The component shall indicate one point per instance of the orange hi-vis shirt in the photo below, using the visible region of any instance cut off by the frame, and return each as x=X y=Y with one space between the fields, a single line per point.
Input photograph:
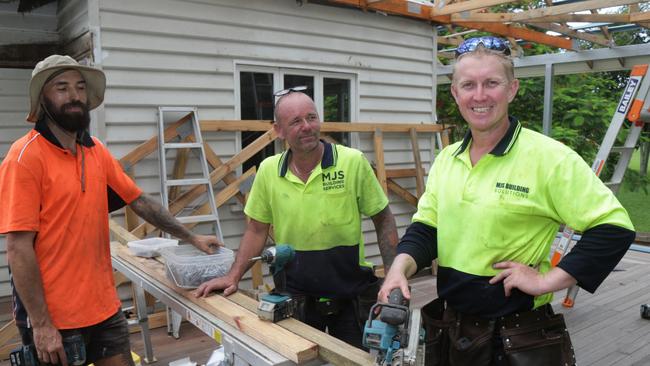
x=65 y=199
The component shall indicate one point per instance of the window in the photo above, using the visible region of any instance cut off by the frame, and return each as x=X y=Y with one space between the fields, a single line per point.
x=332 y=92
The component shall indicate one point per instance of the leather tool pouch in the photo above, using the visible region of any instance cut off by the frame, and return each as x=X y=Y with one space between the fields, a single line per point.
x=470 y=340
x=436 y=339
x=541 y=343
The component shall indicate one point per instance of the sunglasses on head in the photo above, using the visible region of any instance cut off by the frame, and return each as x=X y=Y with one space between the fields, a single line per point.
x=280 y=93
x=489 y=42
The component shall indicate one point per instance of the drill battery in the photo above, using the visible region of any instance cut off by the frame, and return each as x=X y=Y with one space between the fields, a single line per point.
x=73 y=345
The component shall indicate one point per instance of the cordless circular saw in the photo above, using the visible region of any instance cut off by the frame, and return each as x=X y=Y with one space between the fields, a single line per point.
x=395 y=337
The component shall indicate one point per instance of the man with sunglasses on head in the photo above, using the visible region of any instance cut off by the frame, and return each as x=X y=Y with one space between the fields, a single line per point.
x=492 y=207
x=57 y=186
x=313 y=195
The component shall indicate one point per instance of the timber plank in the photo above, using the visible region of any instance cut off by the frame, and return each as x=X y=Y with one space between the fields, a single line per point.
x=331 y=349
x=8 y=332
x=262 y=125
x=286 y=343
x=149 y=146
x=419 y=177
x=379 y=159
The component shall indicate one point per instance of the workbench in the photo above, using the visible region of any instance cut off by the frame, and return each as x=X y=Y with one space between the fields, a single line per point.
x=288 y=342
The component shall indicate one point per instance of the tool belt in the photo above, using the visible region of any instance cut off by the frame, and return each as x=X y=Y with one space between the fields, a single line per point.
x=532 y=338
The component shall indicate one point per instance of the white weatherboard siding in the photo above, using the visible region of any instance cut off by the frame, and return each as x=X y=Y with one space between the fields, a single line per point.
x=14 y=106
x=165 y=52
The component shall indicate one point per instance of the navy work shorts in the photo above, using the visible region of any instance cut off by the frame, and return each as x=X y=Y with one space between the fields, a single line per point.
x=102 y=340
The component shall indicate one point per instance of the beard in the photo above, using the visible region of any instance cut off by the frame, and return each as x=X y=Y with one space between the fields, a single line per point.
x=76 y=121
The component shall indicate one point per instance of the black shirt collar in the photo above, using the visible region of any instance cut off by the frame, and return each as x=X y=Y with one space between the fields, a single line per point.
x=504 y=145
x=328 y=160
x=44 y=130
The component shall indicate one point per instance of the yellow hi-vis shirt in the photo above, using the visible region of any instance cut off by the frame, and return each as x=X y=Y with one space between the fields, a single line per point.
x=321 y=219
x=509 y=206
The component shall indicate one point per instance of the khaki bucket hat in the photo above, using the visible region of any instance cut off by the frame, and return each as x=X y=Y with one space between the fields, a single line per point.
x=95 y=82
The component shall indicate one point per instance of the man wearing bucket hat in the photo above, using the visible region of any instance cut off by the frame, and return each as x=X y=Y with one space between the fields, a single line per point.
x=57 y=186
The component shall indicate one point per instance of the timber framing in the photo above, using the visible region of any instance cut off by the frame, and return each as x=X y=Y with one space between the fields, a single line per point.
x=457 y=18
x=234 y=186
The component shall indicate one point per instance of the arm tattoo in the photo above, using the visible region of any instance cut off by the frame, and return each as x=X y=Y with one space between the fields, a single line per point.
x=384 y=222
x=154 y=213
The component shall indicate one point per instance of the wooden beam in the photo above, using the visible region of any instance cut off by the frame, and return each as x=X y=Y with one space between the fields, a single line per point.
x=6 y=349
x=519 y=32
x=131 y=219
x=149 y=146
x=401 y=192
x=559 y=18
x=262 y=126
x=379 y=159
x=8 y=332
x=120 y=234
x=575 y=34
x=400 y=7
x=402 y=173
x=464 y=6
x=282 y=341
x=640 y=17
x=419 y=177
x=331 y=349
x=215 y=162
x=568 y=8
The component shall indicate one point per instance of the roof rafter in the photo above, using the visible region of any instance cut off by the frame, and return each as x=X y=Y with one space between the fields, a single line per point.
x=510 y=17
x=568 y=8
x=507 y=30
x=465 y=6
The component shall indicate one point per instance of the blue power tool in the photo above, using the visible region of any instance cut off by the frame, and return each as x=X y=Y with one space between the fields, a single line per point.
x=387 y=335
x=276 y=305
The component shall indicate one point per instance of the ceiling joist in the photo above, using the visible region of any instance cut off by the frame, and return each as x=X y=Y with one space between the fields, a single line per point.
x=533 y=25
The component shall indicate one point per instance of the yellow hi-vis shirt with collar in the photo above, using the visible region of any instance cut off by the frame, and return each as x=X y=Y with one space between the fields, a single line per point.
x=321 y=218
x=509 y=206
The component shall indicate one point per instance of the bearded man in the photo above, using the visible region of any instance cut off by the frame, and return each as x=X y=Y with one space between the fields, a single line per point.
x=57 y=186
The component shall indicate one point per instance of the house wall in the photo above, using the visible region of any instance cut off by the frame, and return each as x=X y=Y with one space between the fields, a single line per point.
x=37 y=27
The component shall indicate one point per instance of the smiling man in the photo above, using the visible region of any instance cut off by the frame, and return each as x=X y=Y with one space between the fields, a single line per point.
x=314 y=195
x=57 y=186
x=492 y=207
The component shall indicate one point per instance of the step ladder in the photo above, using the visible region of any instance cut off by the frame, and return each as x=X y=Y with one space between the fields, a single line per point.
x=191 y=130
x=635 y=106
x=189 y=138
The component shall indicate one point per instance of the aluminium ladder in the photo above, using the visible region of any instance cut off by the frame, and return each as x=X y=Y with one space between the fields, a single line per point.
x=188 y=131
x=634 y=105
x=190 y=138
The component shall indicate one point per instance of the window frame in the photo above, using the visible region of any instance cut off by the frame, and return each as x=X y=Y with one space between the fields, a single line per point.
x=278 y=71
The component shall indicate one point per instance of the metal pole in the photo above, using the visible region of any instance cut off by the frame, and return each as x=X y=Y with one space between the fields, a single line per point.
x=548 y=99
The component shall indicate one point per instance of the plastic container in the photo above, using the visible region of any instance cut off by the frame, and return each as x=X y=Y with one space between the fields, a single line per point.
x=189 y=267
x=150 y=247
